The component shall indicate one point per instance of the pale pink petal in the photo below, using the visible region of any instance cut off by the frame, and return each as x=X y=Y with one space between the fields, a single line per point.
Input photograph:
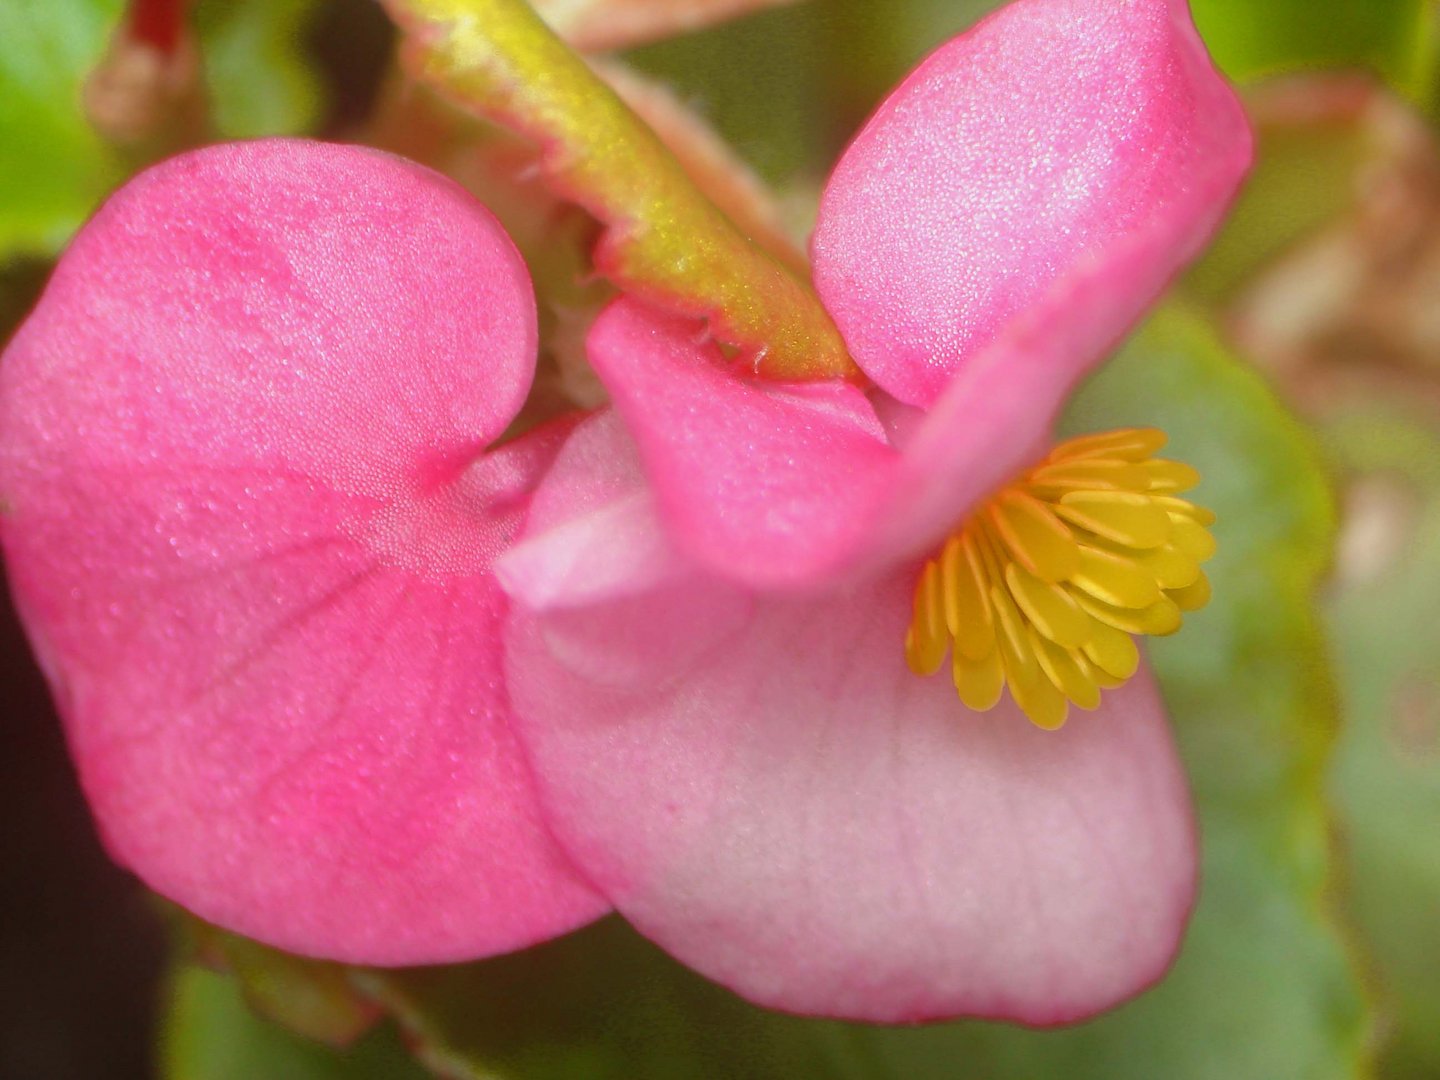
x=249 y=522
x=597 y=538
x=784 y=807
x=594 y=538
x=1034 y=147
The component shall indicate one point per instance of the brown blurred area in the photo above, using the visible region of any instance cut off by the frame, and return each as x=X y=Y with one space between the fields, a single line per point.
x=82 y=945
x=1349 y=309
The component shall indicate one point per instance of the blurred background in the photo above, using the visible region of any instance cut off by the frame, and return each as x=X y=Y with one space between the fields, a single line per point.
x=1297 y=364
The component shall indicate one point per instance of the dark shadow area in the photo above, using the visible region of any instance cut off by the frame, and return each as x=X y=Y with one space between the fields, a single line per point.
x=349 y=42
x=82 y=945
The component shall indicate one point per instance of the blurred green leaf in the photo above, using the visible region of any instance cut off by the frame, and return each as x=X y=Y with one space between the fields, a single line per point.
x=53 y=167
x=1251 y=38
x=259 y=79
x=811 y=73
x=604 y=1004
x=1386 y=776
x=765 y=107
x=1304 y=178
x=312 y=998
x=211 y=1034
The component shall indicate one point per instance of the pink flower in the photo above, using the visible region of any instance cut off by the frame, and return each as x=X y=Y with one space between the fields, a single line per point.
x=256 y=529
x=707 y=656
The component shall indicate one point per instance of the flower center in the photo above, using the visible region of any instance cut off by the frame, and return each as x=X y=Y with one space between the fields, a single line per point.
x=1043 y=586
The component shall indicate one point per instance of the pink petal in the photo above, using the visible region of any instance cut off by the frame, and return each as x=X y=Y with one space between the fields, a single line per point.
x=786 y=808
x=769 y=483
x=1049 y=141
x=250 y=524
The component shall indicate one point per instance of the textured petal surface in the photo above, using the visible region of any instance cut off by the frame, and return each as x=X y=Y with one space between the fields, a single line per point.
x=250 y=523
x=1039 y=145
x=783 y=806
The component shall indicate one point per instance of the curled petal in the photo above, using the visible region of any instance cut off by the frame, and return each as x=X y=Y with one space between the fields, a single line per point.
x=801 y=486
x=782 y=805
x=768 y=483
x=1052 y=140
x=250 y=526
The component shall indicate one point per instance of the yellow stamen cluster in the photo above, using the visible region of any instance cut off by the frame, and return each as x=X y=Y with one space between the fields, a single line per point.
x=1042 y=588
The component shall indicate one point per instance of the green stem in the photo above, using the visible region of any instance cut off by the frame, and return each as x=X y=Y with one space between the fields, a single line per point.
x=663 y=240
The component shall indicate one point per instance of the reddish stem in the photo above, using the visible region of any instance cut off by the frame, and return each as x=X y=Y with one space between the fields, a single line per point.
x=158 y=23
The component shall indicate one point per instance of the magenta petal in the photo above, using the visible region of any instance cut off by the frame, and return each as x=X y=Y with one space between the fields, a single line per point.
x=250 y=522
x=767 y=483
x=783 y=806
x=1053 y=139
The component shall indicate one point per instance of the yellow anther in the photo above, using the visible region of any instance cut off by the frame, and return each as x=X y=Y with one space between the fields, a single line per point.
x=1048 y=607
x=1197 y=514
x=1064 y=670
x=1098 y=675
x=1042 y=588
x=967 y=609
x=1169 y=476
x=1193 y=596
x=928 y=639
x=1114 y=652
x=1115 y=579
x=1095 y=474
x=1173 y=569
x=1034 y=535
x=1191 y=537
x=978 y=682
x=1126 y=517
x=1124 y=444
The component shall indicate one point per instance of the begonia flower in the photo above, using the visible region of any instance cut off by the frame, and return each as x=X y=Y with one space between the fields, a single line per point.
x=727 y=586
x=256 y=528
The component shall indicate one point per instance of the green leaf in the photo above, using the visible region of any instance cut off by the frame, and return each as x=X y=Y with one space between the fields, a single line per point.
x=869 y=47
x=602 y=1003
x=1387 y=770
x=1304 y=178
x=259 y=80
x=1250 y=38
x=53 y=167
x=313 y=998
x=765 y=107
x=211 y=1034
